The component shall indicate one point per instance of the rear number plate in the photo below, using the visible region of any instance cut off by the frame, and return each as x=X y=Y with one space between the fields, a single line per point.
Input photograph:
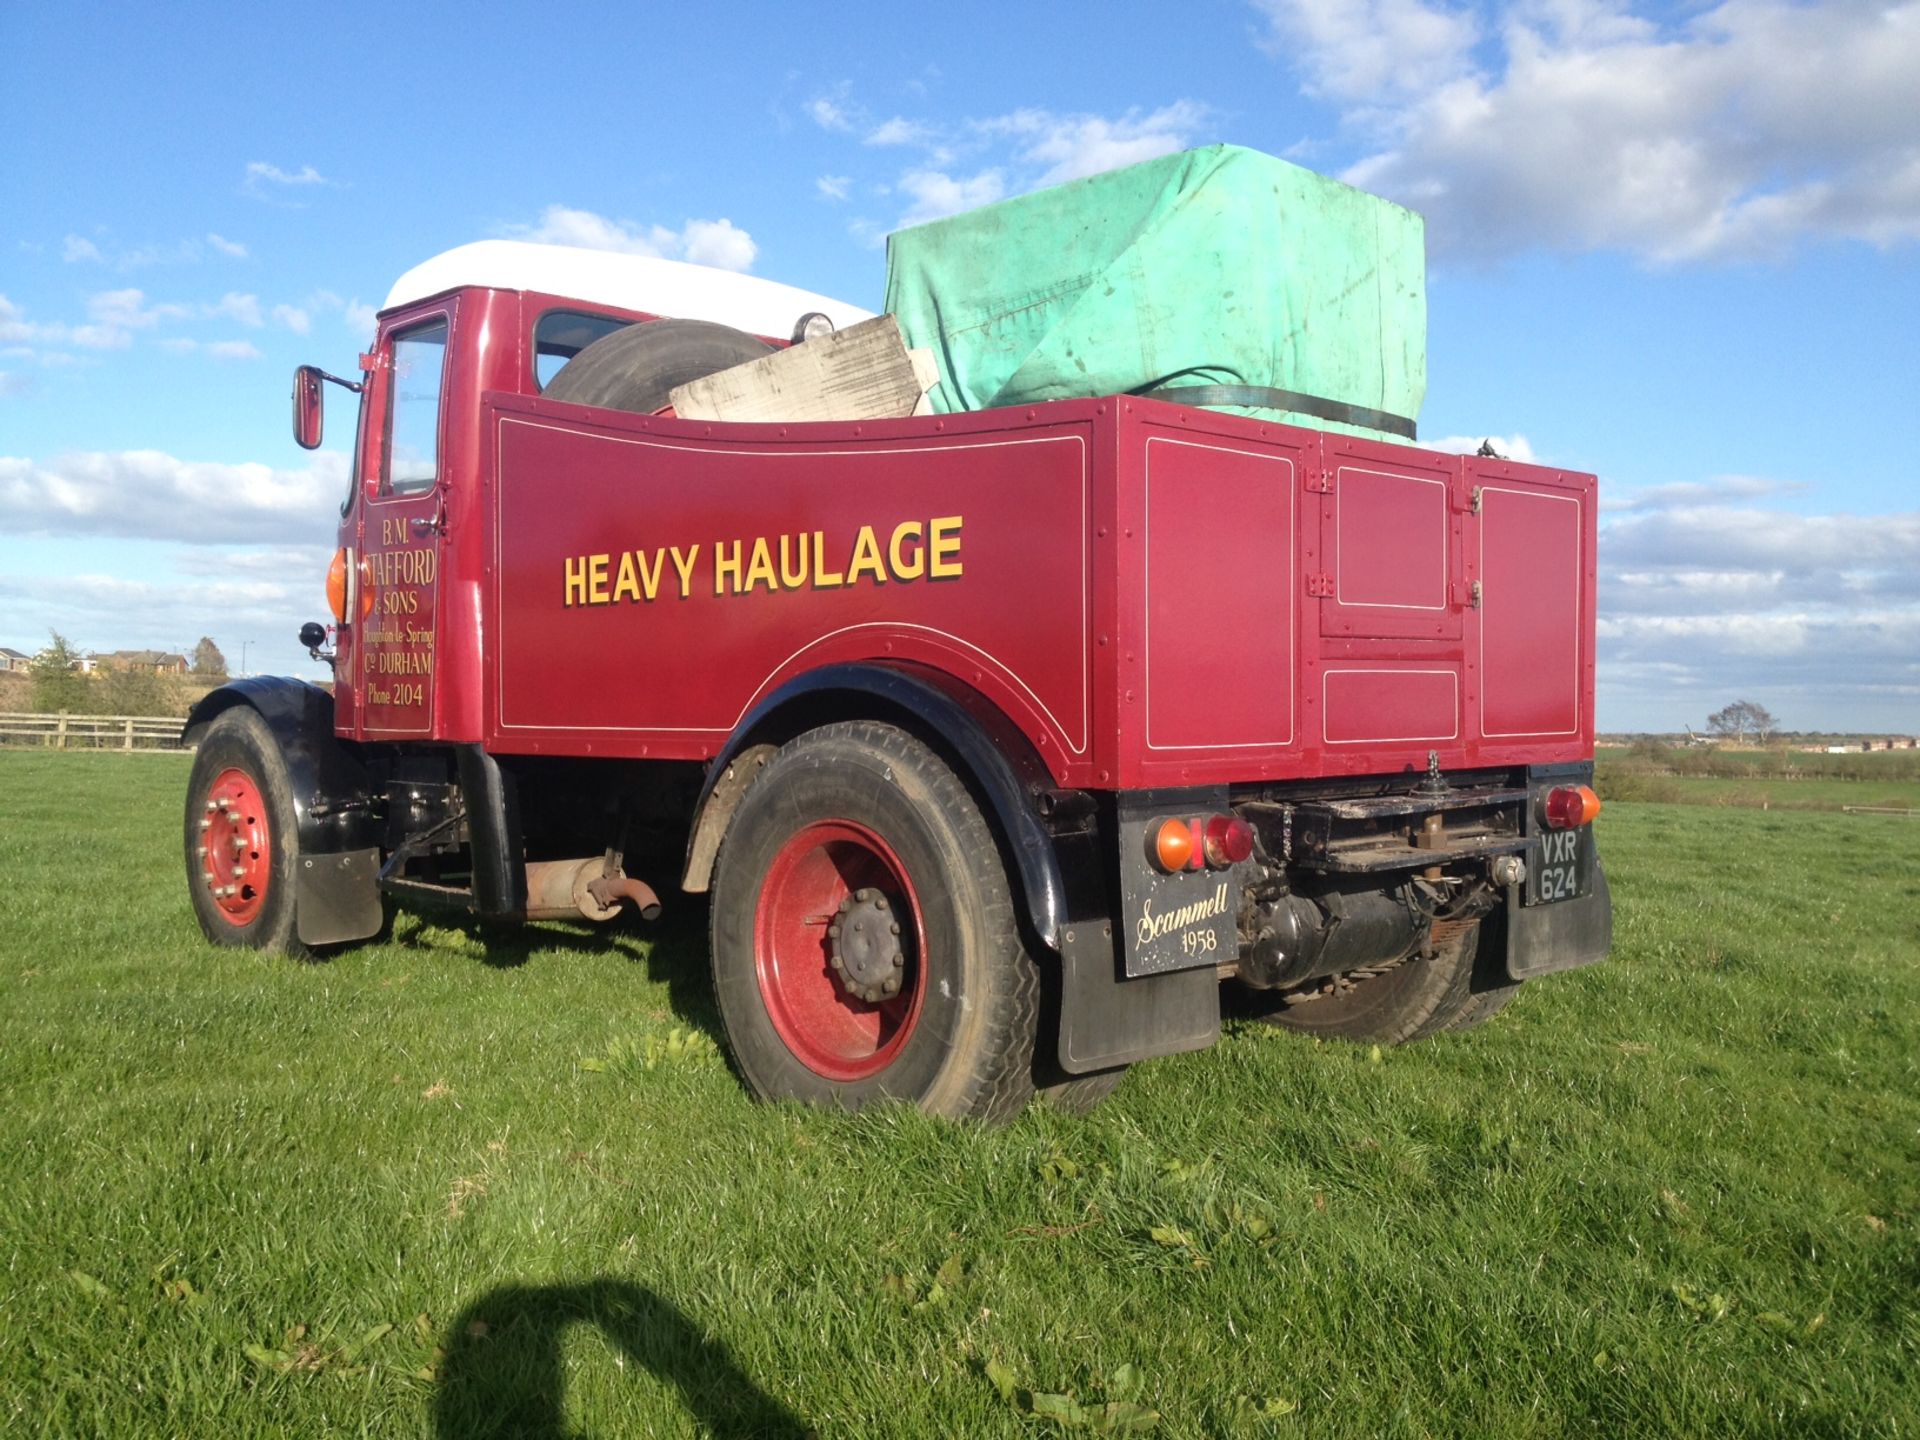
x=1560 y=865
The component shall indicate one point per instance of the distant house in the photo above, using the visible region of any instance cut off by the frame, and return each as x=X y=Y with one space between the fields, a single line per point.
x=156 y=662
x=14 y=660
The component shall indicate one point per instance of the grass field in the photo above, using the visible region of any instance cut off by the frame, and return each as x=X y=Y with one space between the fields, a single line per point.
x=458 y=1184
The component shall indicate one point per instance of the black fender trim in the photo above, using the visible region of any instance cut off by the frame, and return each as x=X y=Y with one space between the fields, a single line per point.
x=332 y=793
x=991 y=752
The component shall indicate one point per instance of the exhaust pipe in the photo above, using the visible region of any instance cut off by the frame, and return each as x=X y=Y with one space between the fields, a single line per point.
x=575 y=889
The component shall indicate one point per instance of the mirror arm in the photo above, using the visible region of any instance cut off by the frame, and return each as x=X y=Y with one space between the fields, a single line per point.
x=355 y=386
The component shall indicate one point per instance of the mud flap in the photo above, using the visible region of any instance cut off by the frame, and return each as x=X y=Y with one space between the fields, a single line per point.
x=1543 y=939
x=1108 y=1020
x=337 y=897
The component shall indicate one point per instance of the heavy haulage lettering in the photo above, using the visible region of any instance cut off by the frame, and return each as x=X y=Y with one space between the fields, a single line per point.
x=808 y=559
x=1152 y=926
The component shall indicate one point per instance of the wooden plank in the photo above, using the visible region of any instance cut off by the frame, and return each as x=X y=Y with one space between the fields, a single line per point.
x=864 y=372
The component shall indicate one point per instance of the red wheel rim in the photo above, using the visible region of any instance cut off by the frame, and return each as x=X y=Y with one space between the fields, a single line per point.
x=236 y=847
x=832 y=1031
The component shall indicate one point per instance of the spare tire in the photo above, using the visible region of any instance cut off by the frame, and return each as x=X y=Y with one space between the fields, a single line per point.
x=637 y=368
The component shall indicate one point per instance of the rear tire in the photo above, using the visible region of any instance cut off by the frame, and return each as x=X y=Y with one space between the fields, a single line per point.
x=241 y=836
x=636 y=369
x=852 y=828
x=1416 y=998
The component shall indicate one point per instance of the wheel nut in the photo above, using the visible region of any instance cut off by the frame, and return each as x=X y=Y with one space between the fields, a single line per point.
x=891 y=985
x=238 y=871
x=895 y=927
x=203 y=852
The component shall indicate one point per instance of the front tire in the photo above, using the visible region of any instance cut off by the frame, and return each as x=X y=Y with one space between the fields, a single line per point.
x=242 y=837
x=864 y=938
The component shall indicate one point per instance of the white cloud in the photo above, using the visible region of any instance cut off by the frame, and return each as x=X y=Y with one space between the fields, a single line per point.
x=1734 y=131
x=361 y=319
x=269 y=183
x=15 y=328
x=1075 y=146
x=1815 y=616
x=979 y=161
x=146 y=494
x=718 y=243
x=252 y=602
x=1686 y=494
x=705 y=242
x=14 y=384
x=259 y=172
x=937 y=195
x=113 y=316
x=900 y=131
x=77 y=249
x=1369 y=50
x=293 y=317
x=235 y=306
x=828 y=114
x=218 y=349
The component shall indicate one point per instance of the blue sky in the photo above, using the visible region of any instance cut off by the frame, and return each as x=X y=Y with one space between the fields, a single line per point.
x=1678 y=246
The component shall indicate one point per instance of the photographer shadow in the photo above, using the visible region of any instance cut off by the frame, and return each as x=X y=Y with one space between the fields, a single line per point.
x=502 y=1374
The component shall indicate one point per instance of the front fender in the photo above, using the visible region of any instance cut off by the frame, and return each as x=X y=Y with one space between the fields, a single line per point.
x=332 y=792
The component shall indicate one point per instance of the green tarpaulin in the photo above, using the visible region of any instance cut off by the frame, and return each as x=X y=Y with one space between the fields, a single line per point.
x=1215 y=266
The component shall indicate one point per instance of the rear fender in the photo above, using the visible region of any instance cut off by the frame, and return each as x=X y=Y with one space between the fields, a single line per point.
x=985 y=747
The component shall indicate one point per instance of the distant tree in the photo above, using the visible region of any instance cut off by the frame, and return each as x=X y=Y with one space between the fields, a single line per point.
x=1743 y=720
x=208 y=661
x=57 y=681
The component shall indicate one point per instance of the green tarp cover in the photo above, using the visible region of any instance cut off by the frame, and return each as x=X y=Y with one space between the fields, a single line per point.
x=1216 y=266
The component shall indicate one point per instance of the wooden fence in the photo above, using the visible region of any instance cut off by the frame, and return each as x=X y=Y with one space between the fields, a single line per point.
x=143 y=733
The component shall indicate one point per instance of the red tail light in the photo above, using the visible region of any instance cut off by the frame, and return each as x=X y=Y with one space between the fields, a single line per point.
x=1229 y=841
x=1571 y=806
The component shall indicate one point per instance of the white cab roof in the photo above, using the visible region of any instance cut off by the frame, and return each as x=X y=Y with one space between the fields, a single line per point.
x=629 y=282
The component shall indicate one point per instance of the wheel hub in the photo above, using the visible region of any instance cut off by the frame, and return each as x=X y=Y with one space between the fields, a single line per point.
x=865 y=946
x=236 y=856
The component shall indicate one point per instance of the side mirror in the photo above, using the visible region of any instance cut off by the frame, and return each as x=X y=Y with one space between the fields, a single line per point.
x=309 y=417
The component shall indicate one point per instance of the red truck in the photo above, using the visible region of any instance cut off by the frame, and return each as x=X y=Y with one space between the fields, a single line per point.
x=1006 y=744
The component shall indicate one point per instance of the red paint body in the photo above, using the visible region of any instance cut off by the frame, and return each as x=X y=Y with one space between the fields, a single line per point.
x=1156 y=596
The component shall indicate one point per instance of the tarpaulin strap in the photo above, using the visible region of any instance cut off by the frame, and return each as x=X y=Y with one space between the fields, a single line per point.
x=1266 y=397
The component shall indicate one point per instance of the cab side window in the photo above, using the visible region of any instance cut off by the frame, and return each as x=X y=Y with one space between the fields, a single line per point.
x=559 y=335
x=413 y=412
